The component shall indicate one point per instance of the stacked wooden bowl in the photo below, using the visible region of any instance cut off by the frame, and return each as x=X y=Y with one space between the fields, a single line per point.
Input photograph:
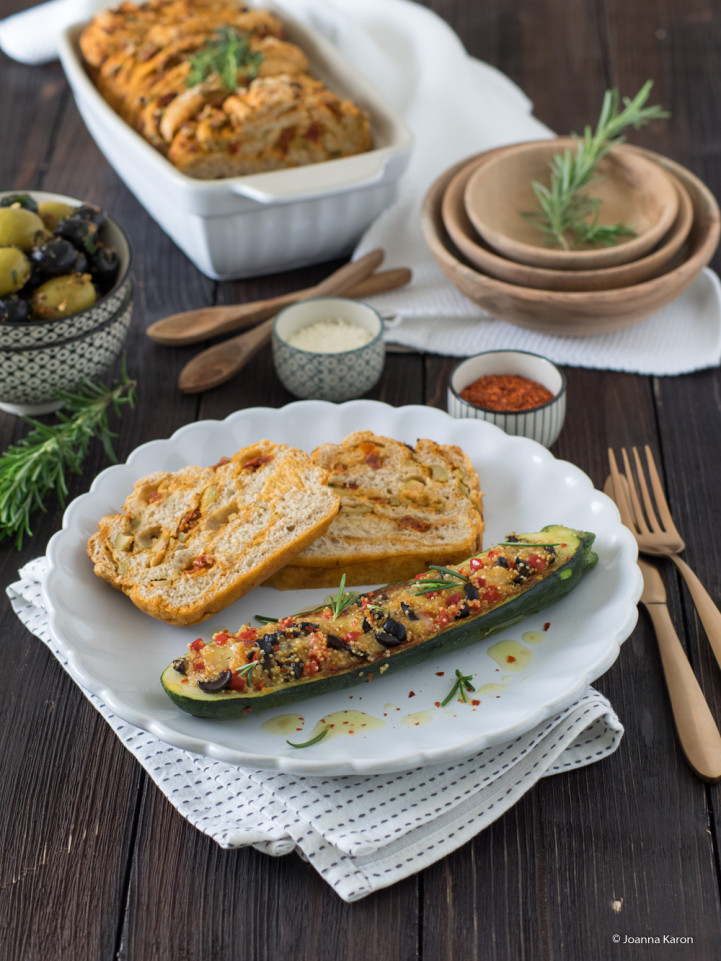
x=472 y=221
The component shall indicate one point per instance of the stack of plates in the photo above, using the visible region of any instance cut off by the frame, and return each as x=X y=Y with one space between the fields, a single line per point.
x=499 y=259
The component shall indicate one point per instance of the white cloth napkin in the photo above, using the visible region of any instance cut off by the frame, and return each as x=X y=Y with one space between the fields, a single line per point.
x=456 y=106
x=360 y=833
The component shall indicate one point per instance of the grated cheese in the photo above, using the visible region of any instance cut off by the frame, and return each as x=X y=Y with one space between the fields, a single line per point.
x=332 y=335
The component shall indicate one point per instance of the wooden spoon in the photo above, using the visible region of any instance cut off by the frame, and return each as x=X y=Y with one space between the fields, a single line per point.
x=192 y=326
x=219 y=363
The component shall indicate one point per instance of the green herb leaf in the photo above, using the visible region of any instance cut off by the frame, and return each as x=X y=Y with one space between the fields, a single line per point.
x=446 y=579
x=246 y=671
x=37 y=465
x=312 y=741
x=265 y=619
x=463 y=684
x=565 y=216
x=225 y=57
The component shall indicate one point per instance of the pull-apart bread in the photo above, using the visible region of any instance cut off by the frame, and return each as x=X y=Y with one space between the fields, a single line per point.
x=189 y=543
x=217 y=89
x=402 y=508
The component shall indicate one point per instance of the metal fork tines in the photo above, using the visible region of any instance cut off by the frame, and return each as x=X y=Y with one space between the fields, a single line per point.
x=648 y=516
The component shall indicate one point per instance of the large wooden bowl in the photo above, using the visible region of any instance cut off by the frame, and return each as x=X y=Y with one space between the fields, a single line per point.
x=464 y=236
x=633 y=190
x=575 y=314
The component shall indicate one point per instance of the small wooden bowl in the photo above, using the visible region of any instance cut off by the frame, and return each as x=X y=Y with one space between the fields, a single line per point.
x=576 y=314
x=633 y=190
x=464 y=236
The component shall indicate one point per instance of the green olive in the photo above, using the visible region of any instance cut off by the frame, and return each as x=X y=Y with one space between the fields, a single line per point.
x=20 y=228
x=14 y=270
x=52 y=212
x=63 y=296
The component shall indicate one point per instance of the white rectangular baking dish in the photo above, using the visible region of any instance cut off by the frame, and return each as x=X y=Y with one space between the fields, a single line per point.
x=264 y=223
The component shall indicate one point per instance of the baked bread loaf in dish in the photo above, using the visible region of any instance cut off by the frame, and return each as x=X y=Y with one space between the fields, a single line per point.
x=402 y=508
x=217 y=89
x=188 y=543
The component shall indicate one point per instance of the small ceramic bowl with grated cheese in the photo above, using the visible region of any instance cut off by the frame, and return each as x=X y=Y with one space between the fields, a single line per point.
x=330 y=348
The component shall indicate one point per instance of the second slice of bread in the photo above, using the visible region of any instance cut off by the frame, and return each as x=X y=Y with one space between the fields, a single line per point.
x=402 y=508
x=189 y=543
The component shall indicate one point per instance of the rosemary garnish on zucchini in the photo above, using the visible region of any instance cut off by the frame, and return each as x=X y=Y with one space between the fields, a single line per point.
x=567 y=217
x=225 y=57
x=446 y=578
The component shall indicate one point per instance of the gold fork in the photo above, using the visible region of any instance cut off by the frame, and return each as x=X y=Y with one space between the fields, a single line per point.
x=655 y=532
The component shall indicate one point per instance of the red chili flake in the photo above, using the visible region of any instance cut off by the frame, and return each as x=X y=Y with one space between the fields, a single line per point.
x=186 y=680
x=437 y=703
x=440 y=673
x=247 y=634
x=247 y=710
x=197 y=645
x=475 y=703
x=491 y=594
x=537 y=562
x=411 y=694
x=198 y=665
x=510 y=659
x=506 y=392
x=237 y=683
x=546 y=625
x=476 y=564
x=221 y=638
x=453 y=599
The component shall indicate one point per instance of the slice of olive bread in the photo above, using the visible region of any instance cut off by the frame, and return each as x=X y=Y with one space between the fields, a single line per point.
x=189 y=543
x=402 y=508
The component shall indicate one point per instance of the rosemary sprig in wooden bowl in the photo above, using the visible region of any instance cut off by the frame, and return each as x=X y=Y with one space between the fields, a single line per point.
x=568 y=217
x=37 y=465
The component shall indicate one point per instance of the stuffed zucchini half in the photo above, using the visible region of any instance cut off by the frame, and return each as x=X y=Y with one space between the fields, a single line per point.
x=353 y=638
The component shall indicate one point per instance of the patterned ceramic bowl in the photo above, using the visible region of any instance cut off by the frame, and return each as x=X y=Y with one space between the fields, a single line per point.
x=322 y=373
x=542 y=423
x=38 y=357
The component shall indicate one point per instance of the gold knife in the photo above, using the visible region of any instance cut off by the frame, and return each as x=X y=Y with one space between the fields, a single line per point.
x=697 y=731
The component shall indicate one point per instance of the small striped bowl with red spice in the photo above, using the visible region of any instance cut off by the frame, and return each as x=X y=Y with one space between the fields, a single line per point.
x=522 y=393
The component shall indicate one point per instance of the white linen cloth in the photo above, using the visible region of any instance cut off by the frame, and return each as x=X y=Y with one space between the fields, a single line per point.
x=456 y=106
x=360 y=833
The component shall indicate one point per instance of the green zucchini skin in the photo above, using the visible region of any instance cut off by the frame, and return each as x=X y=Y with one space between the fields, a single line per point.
x=458 y=634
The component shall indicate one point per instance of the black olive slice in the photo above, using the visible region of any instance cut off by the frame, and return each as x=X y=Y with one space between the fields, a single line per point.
x=217 y=684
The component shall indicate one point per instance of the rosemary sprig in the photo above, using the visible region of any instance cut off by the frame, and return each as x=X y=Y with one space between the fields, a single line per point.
x=265 y=618
x=246 y=671
x=37 y=465
x=224 y=58
x=526 y=544
x=312 y=741
x=441 y=582
x=342 y=600
x=567 y=217
x=463 y=684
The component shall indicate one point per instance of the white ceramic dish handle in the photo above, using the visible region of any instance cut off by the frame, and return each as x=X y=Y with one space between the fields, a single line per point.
x=310 y=182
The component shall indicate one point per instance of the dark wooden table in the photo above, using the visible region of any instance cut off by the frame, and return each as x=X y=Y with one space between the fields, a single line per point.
x=97 y=865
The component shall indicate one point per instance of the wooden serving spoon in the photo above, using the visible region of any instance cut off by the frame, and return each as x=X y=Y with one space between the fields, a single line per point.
x=192 y=326
x=219 y=363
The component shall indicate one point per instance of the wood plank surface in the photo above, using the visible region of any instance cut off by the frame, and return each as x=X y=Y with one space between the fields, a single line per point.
x=97 y=864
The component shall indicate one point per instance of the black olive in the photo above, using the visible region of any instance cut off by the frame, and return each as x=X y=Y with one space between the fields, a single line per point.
x=81 y=233
x=104 y=267
x=463 y=611
x=523 y=567
x=501 y=561
x=335 y=642
x=387 y=640
x=217 y=684
x=55 y=257
x=180 y=665
x=471 y=592
x=513 y=538
x=395 y=628
x=81 y=265
x=308 y=627
x=298 y=668
x=22 y=200
x=91 y=213
x=365 y=625
x=409 y=612
x=13 y=309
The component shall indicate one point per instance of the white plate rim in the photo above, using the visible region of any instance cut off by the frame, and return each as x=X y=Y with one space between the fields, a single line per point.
x=373 y=415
